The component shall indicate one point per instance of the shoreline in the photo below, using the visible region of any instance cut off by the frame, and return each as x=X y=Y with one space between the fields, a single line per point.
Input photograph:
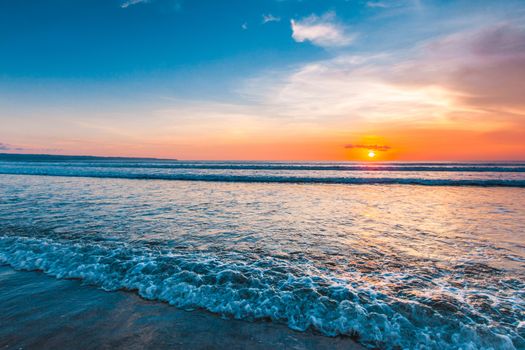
x=41 y=312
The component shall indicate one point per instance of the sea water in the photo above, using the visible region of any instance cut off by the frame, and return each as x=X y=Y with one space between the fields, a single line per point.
x=395 y=255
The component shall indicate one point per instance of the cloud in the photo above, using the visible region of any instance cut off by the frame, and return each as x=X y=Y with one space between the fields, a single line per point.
x=270 y=18
x=244 y=26
x=470 y=80
x=376 y=4
x=321 y=31
x=129 y=3
x=8 y=147
x=379 y=148
x=166 y=5
x=486 y=67
x=350 y=90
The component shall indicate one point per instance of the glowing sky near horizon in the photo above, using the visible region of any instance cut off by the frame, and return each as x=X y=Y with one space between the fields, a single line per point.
x=264 y=80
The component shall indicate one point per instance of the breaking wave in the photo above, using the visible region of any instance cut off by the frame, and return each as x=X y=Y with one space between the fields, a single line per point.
x=253 y=288
x=297 y=179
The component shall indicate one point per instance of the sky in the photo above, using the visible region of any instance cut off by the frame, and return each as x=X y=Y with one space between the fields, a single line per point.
x=264 y=79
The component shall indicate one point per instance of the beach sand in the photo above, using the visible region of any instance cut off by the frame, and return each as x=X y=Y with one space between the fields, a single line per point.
x=41 y=312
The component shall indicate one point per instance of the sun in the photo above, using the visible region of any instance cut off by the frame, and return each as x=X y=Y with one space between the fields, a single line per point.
x=371 y=154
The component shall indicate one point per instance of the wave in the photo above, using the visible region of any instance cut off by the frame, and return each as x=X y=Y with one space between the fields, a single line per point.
x=270 y=178
x=259 y=288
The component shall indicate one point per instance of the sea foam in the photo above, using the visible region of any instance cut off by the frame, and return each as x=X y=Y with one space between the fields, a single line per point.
x=262 y=289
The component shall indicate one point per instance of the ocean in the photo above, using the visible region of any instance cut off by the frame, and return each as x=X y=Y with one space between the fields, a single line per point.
x=391 y=255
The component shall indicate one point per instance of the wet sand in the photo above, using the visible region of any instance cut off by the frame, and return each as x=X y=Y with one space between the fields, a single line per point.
x=41 y=312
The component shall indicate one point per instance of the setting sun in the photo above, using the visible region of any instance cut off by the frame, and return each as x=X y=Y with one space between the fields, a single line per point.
x=371 y=154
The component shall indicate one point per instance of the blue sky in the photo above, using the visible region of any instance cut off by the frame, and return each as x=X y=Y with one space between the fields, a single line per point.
x=198 y=79
x=102 y=40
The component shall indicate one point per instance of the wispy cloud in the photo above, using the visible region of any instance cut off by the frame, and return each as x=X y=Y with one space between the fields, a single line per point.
x=129 y=3
x=244 y=26
x=352 y=90
x=322 y=31
x=8 y=147
x=472 y=79
x=485 y=66
x=375 y=4
x=379 y=148
x=270 y=18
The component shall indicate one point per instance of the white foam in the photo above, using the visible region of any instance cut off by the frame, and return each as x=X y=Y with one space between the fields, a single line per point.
x=259 y=289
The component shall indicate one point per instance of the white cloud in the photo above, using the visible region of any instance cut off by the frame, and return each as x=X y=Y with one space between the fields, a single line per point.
x=445 y=82
x=350 y=90
x=375 y=4
x=129 y=3
x=270 y=18
x=322 y=31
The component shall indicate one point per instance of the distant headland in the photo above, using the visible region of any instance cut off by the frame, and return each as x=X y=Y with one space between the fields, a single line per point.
x=18 y=157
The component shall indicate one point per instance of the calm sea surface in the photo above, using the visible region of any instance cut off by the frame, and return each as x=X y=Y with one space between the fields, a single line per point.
x=413 y=255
